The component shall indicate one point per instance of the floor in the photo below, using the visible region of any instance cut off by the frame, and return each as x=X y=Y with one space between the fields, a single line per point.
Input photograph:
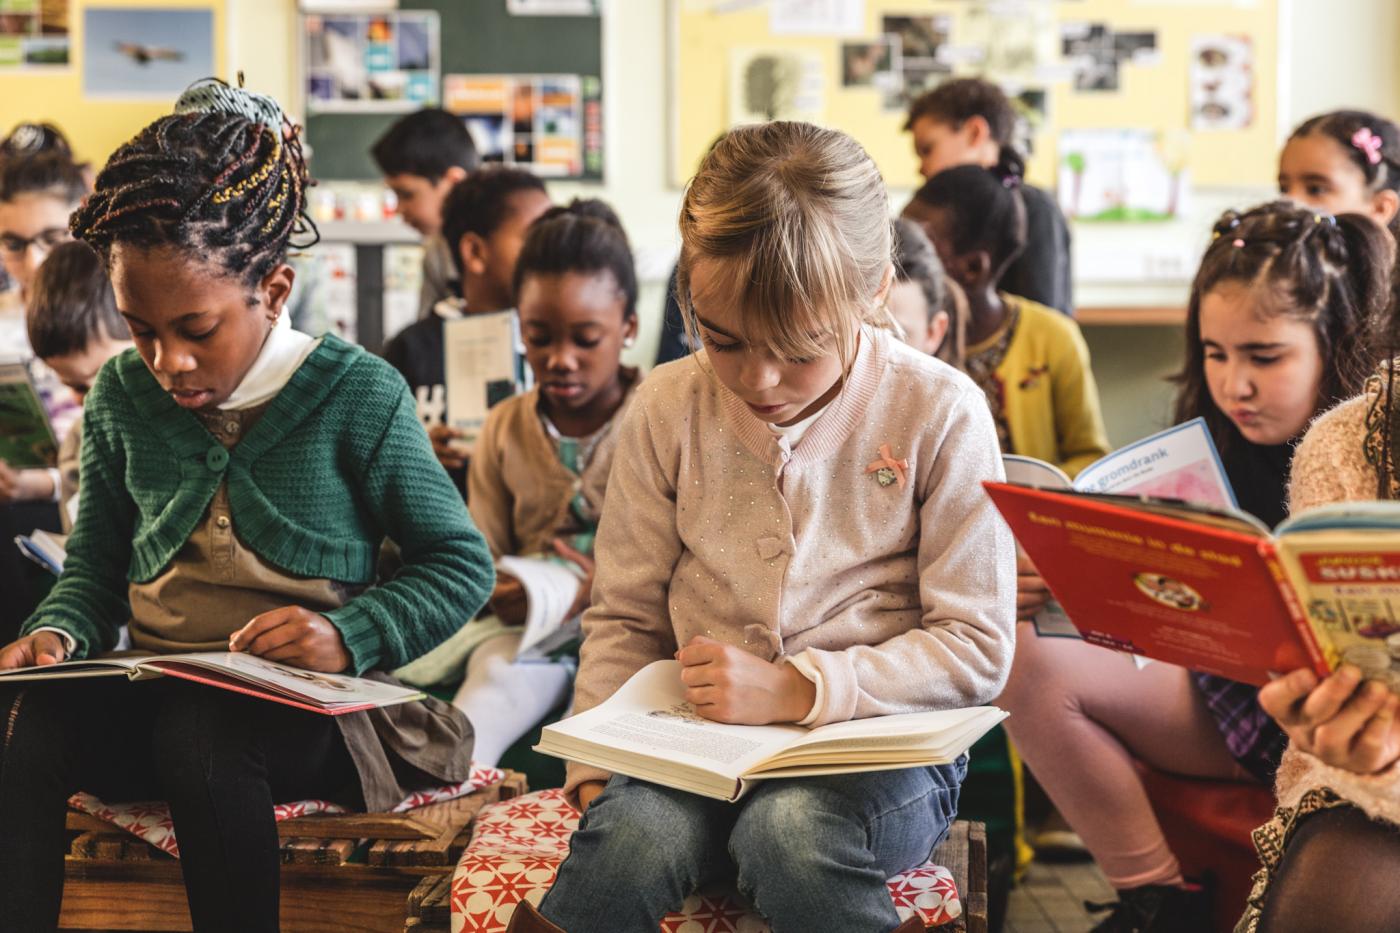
x=1050 y=899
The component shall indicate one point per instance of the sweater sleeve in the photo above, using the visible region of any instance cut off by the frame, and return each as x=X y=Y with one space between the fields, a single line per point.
x=1079 y=428
x=89 y=601
x=447 y=573
x=960 y=654
x=1330 y=463
x=490 y=498
x=638 y=547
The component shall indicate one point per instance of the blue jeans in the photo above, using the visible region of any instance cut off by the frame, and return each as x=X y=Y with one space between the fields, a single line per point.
x=810 y=854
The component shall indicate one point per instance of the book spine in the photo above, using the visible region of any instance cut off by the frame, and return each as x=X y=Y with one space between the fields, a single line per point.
x=1294 y=605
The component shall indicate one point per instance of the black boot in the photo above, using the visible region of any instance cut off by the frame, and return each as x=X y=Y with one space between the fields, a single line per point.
x=1157 y=908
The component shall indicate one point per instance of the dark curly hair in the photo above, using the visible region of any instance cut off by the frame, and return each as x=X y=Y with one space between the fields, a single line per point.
x=586 y=236
x=1333 y=272
x=986 y=208
x=208 y=184
x=1341 y=126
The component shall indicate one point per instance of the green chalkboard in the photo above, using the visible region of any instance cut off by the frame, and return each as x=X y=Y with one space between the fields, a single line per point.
x=477 y=37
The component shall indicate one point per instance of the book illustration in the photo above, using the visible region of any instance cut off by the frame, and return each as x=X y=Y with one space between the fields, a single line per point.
x=648 y=731
x=26 y=438
x=1194 y=482
x=1169 y=592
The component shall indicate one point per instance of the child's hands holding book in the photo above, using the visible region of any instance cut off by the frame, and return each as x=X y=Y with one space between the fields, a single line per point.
x=296 y=636
x=1341 y=721
x=33 y=650
x=1032 y=594
x=728 y=684
x=450 y=446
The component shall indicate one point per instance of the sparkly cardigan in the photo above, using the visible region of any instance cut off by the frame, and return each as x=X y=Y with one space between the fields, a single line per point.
x=889 y=569
x=1330 y=466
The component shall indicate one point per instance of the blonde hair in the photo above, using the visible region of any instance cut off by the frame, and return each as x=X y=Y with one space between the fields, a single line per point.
x=800 y=216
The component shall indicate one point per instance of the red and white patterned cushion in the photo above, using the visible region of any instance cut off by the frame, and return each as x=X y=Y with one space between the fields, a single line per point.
x=517 y=845
x=152 y=822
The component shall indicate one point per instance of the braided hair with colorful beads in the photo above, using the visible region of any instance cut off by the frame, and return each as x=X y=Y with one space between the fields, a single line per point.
x=209 y=183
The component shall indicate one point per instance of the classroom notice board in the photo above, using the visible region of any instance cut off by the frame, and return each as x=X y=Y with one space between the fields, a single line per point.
x=478 y=37
x=1081 y=64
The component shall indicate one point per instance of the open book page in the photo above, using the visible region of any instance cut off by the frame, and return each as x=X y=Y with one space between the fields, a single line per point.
x=26 y=439
x=902 y=739
x=328 y=691
x=1348 y=582
x=45 y=548
x=107 y=666
x=481 y=367
x=1178 y=463
x=647 y=730
x=1166 y=587
x=550 y=589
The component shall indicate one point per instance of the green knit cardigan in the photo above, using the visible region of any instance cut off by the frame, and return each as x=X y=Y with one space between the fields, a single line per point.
x=337 y=463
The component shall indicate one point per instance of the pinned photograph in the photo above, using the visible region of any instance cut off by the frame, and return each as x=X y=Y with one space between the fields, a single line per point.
x=870 y=64
x=34 y=34
x=374 y=63
x=923 y=63
x=1097 y=54
x=1222 y=82
x=145 y=53
x=535 y=122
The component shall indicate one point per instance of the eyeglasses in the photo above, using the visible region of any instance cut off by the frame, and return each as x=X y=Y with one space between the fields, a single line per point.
x=46 y=240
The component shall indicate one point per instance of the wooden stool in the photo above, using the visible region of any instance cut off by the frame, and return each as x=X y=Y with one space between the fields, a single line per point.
x=341 y=872
x=963 y=852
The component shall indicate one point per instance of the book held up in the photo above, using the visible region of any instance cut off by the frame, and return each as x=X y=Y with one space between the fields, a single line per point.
x=648 y=731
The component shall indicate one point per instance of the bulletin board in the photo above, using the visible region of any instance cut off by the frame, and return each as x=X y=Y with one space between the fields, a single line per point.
x=96 y=126
x=1020 y=43
x=480 y=37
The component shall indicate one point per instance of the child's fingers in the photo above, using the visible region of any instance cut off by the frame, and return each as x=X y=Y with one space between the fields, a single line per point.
x=566 y=551
x=1282 y=697
x=698 y=675
x=16 y=654
x=1375 y=744
x=1333 y=740
x=1326 y=701
x=48 y=648
x=700 y=650
x=243 y=639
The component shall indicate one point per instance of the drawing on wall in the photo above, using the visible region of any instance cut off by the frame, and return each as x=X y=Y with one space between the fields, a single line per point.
x=544 y=123
x=923 y=55
x=816 y=17
x=871 y=64
x=373 y=63
x=1012 y=44
x=34 y=33
x=1222 y=82
x=1096 y=54
x=775 y=84
x=145 y=53
x=1121 y=175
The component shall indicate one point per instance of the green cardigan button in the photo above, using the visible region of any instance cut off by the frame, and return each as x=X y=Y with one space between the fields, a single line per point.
x=216 y=459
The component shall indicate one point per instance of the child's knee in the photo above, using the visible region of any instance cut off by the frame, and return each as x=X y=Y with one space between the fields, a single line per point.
x=634 y=823
x=782 y=826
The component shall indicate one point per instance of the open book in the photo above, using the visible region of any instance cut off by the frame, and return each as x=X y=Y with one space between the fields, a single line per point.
x=26 y=438
x=332 y=694
x=1212 y=589
x=482 y=365
x=550 y=588
x=45 y=548
x=646 y=730
x=1178 y=463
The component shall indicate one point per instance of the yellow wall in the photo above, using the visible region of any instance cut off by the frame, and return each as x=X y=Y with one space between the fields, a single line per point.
x=96 y=127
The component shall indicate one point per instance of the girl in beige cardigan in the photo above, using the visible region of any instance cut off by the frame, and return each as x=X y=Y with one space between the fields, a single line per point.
x=796 y=515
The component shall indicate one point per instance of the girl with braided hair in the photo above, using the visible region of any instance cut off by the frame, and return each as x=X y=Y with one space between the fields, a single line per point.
x=1279 y=329
x=1345 y=161
x=238 y=479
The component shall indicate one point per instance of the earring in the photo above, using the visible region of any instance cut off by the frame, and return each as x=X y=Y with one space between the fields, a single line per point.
x=629 y=341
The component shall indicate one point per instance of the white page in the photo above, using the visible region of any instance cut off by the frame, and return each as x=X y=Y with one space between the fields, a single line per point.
x=549 y=593
x=648 y=716
x=1178 y=463
x=934 y=726
x=480 y=367
x=329 y=689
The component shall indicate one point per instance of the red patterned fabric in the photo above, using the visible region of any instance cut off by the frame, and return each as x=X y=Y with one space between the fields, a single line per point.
x=151 y=821
x=517 y=846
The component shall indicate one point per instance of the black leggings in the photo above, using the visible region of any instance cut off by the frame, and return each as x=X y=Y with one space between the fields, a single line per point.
x=218 y=758
x=1337 y=876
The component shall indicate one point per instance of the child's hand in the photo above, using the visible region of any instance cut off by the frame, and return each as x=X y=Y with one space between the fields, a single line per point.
x=585 y=563
x=24 y=485
x=1032 y=594
x=451 y=455
x=587 y=791
x=31 y=650
x=508 y=600
x=1344 y=722
x=296 y=636
x=728 y=684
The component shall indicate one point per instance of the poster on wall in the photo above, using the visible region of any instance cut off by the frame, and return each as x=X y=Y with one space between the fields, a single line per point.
x=371 y=63
x=34 y=34
x=145 y=53
x=1096 y=54
x=1221 y=82
x=775 y=84
x=1121 y=175
x=548 y=124
x=816 y=17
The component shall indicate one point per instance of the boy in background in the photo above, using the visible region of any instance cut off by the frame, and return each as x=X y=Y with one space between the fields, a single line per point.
x=484 y=221
x=970 y=121
x=423 y=156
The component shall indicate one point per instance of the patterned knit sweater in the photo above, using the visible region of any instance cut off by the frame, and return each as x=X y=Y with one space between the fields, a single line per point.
x=337 y=463
x=1330 y=466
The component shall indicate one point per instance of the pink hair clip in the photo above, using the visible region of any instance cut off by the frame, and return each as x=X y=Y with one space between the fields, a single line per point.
x=1369 y=143
x=1238 y=244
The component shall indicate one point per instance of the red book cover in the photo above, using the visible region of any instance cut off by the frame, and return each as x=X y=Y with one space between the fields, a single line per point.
x=1208 y=599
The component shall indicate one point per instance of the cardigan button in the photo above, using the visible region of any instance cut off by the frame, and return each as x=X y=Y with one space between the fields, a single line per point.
x=216 y=459
x=770 y=547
